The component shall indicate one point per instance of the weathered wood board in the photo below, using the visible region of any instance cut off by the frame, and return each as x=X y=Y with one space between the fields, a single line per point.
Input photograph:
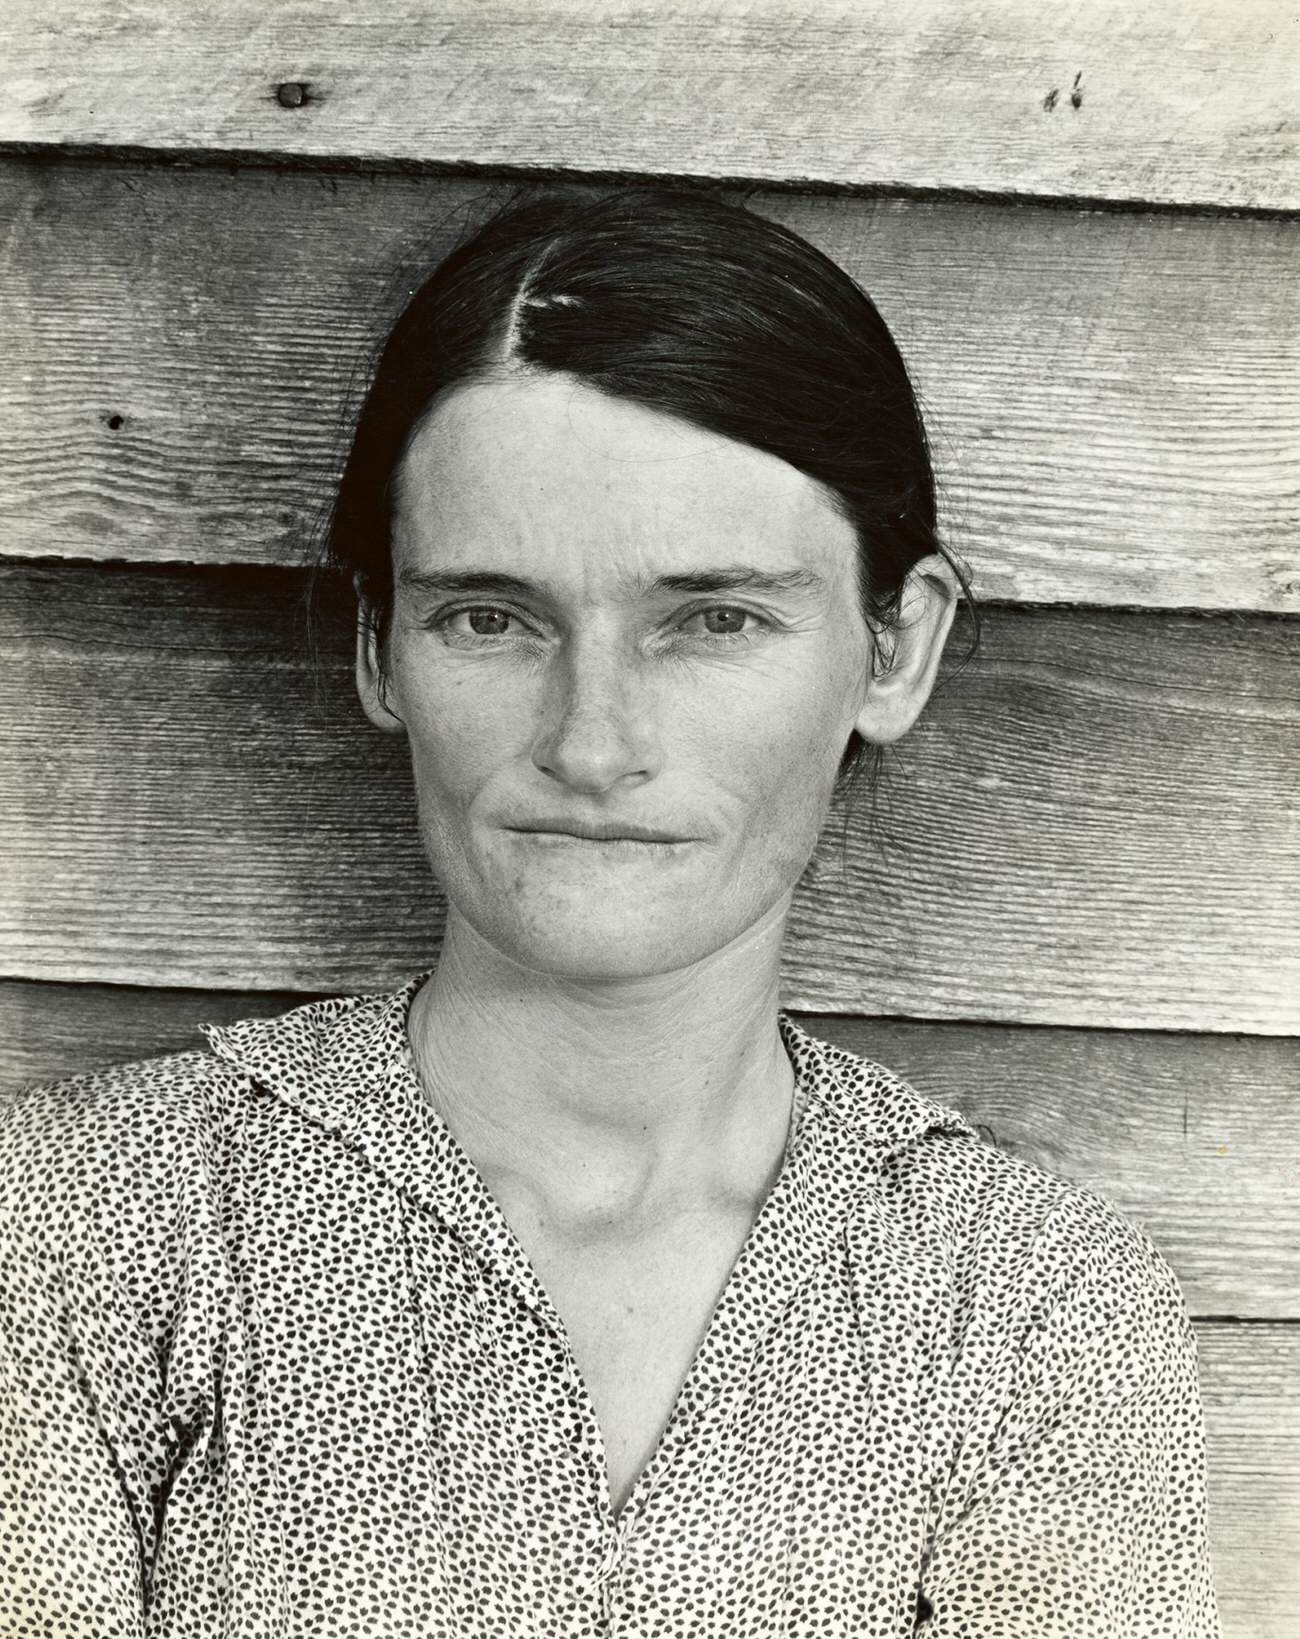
x=1193 y=1137
x=1250 y=1387
x=1089 y=827
x=1114 y=405
x=1094 y=826
x=1176 y=101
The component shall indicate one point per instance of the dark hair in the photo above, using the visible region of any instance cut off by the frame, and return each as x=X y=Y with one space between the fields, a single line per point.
x=681 y=302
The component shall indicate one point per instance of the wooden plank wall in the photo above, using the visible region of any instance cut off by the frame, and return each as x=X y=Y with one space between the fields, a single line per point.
x=1074 y=915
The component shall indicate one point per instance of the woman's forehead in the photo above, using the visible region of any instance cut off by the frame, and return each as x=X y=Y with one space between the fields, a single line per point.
x=546 y=469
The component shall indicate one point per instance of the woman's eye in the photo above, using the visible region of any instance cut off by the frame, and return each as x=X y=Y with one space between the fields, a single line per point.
x=724 y=621
x=481 y=622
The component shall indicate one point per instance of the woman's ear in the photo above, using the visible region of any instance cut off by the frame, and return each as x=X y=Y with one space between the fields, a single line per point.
x=371 y=681
x=905 y=657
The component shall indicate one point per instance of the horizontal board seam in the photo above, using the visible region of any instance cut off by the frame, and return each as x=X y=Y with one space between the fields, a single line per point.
x=287 y=160
x=203 y=985
x=810 y=1015
x=304 y=571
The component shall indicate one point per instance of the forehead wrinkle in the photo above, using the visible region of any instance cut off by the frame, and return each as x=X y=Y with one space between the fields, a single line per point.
x=531 y=511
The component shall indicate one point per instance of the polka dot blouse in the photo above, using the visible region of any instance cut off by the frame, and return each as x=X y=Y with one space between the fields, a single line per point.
x=274 y=1365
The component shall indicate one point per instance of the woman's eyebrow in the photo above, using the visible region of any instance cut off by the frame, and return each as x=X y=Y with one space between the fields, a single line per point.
x=741 y=578
x=450 y=582
x=727 y=578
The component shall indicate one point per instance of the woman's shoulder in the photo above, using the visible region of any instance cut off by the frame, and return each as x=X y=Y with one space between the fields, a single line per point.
x=1009 y=1223
x=106 y=1198
x=993 y=1218
x=156 y=1103
x=110 y=1158
x=133 y=1141
x=146 y=1107
x=124 y=1192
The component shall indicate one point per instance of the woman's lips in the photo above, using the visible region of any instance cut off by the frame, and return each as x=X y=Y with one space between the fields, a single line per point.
x=576 y=831
x=609 y=841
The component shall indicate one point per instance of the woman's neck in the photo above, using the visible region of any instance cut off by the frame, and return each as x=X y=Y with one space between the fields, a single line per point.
x=610 y=1102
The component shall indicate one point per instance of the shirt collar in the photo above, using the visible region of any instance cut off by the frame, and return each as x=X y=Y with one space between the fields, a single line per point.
x=346 y=1065
x=863 y=1097
x=334 y=1059
x=330 y=1057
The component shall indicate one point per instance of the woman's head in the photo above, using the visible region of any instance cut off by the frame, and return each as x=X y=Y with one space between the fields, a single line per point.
x=685 y=304
x=641 y=514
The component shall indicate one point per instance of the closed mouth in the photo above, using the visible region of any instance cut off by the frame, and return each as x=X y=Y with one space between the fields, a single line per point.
x=579 y=832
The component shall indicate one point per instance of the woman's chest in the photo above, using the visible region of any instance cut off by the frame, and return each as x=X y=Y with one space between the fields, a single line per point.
x=400 y=1420
x=634 y=1312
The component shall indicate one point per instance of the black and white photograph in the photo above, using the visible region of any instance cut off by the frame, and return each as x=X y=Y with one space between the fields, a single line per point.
x=650 y=819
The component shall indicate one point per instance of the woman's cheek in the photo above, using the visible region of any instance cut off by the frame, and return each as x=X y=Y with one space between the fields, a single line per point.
x=781 y=788
x=458 y=733
x=797 y=743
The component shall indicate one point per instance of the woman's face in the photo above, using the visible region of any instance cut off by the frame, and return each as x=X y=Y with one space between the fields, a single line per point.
x=628 y=655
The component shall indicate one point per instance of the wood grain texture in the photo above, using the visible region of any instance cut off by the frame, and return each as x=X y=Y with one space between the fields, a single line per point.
x=49 y=1032
x=1093 y=825
x=1112 y=399
x=1193 y=1137
x=1250 y=1388
x=1177 y=101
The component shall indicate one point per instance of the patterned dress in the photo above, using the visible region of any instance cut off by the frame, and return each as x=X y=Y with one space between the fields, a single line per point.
x=275 y=1365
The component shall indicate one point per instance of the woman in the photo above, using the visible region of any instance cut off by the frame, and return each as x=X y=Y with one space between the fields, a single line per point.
x=574 y=1289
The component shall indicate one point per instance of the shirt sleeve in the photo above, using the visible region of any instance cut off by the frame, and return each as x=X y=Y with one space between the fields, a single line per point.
x=80 y=1398
x=1086 y=1516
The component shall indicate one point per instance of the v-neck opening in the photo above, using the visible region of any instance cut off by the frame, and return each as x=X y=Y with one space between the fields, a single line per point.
x=704 y=1381
x=371 y=1097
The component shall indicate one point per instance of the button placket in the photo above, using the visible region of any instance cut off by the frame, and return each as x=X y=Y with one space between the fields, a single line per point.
x=607 y=1573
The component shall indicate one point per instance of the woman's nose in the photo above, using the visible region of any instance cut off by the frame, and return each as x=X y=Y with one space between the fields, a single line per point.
x=596 y=728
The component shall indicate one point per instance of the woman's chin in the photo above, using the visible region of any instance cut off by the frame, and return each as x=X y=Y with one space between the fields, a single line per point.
x=600 y=944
